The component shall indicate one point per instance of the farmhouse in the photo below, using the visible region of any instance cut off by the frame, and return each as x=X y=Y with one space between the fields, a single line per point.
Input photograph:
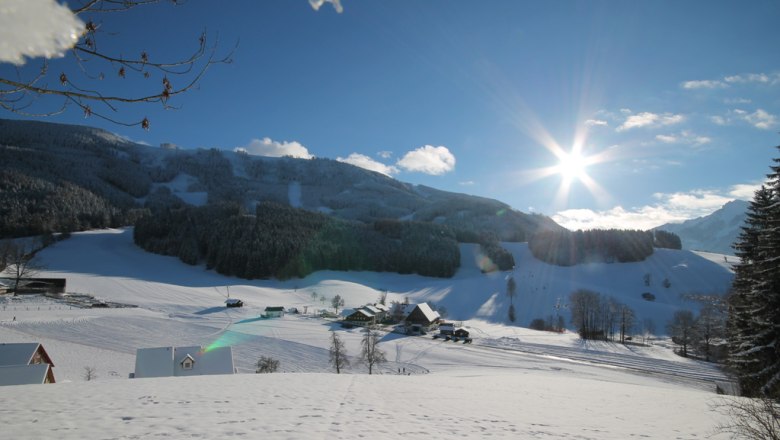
x=25 y=363
x=368 y=314
x=421 y=318
x=183 y=361
x=274 y=312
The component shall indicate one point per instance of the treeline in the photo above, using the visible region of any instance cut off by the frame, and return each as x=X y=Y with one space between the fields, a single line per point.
x=283 y=242
x=34 y=206
x=567 y=248
x=600 y=317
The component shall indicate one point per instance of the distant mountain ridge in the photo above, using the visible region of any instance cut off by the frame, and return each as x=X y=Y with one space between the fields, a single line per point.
x=57 y=177
x=716 y=232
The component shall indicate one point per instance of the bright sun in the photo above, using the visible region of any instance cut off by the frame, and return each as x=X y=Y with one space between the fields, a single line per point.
x=572 y=166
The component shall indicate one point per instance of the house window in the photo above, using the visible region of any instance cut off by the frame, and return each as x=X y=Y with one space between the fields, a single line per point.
x=187 y=364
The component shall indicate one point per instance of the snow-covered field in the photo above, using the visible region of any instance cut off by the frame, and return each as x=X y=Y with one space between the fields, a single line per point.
x=511 y=383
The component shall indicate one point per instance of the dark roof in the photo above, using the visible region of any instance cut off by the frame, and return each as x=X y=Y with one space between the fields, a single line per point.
x=274 y=309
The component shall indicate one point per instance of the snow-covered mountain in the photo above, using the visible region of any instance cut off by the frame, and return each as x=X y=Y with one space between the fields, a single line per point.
x=66 y=177
x=716 y=232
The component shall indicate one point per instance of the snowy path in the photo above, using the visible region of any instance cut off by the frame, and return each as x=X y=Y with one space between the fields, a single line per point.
x=684 y=368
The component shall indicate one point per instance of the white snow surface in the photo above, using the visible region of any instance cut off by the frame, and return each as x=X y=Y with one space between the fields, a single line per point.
x=512 y=382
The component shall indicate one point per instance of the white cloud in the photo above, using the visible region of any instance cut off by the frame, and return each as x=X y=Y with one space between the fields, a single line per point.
x=363 y=161
x=429 y=160
x=467 y=183
x=684 y=137
x=761 y=119
x=643 y=218
x=704 y=84
x=744 y=191
x=626 y=111
x=272 y=148
x=719 y=120
x=667 y=138
x=749 y=78
x=316 y=4
x=385 y=154
x=596 y=122
x=671 y=208
x=36 y=28
x=737 y=101
x=647 y=119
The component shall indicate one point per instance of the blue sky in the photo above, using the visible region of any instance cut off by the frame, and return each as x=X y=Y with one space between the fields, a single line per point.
x=675 y=106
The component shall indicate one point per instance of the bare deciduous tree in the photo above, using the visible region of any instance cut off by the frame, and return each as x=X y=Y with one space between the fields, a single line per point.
x=267 y=364
x=754 y=419
x=89 y=373
x=93 y=58
x=681 y=328
x=337 y=301
x=338 y=353
x=370 y=353
x=19 y=262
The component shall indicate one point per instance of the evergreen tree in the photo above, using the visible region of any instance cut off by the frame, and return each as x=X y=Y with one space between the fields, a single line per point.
x=754 y=303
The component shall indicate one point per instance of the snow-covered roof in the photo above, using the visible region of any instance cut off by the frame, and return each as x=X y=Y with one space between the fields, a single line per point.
x=232 y=301
x=382 y=307
x=167 y=361
x=363 y=311
x=20 y=353
x=407 y=308
x=23 y=374
x=154 y=362
x=429 y=313
x=372 y=309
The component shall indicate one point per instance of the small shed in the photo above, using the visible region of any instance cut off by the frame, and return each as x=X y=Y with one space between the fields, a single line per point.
x=461 y=333
x=447 y=328
x=42 y=285
x=183 y=361
x=274 y=312
x=234 y=302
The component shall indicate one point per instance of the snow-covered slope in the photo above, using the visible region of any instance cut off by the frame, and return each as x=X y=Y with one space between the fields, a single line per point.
x=716 y=232
x=510 y=383
x=521 y=403
x=111 y=267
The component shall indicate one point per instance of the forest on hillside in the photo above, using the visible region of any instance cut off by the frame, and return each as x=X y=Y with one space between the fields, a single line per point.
x=567 y=248
x=283 y=242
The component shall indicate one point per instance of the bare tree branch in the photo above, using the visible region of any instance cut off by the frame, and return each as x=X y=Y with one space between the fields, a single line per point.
x=19 y=94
